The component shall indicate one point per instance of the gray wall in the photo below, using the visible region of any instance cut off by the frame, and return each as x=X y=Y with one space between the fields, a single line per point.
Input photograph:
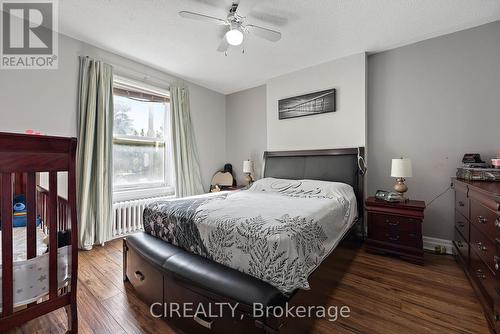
x=343 y=128
x=433 y=101
x=46 y=100
x=246 y=129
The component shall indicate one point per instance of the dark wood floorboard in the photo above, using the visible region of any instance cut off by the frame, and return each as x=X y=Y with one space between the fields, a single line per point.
x=385 y=295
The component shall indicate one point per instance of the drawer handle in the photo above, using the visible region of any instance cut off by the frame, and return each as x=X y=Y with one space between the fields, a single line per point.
x=481 y=247
x=460 y=244
x=482 y=220
x=460 y=203
x=497 y=223
x=204 y=323
x=480 y=274
x=388 y=222
x=139 y=275
x=496 y=260
x=392 y=237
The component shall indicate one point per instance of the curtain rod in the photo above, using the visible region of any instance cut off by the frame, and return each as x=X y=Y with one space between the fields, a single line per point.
x=125 y=71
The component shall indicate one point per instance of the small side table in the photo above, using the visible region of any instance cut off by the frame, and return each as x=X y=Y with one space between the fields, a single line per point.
x=396 y=228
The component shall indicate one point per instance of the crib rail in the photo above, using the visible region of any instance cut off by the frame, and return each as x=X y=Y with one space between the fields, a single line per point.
x=26 y=155
x=63 y=209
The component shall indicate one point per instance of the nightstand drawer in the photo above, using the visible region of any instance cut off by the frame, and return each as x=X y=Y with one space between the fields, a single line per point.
x=395 y=230
x=389 y=222
x=484 y=219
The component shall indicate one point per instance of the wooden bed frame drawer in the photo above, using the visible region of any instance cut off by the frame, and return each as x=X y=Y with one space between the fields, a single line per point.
x=462 y=203
x=147 y=281
x=484 y=248
x=213 y=321
x=484 y=219
x=462 y=225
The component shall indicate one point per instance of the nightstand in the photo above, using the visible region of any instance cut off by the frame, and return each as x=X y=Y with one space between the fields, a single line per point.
x=396 y=228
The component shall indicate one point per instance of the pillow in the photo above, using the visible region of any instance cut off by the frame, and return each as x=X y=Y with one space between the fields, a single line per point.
x=304 y=188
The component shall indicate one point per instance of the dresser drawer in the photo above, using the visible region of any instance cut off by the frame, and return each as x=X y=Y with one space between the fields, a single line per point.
x=462 y=225
x=485 y=279
x=461 y=247
x=395 y=230
x=461 y=200
x=484 y=248
x=484 y=219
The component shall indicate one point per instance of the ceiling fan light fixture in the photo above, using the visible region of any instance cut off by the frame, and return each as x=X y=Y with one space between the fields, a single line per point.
x=234 y=36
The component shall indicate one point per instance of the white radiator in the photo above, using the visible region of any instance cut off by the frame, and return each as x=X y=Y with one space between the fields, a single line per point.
x=127 y=215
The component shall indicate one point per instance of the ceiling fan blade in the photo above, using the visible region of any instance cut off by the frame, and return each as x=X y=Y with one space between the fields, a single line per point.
x=223 y=46
x=268 y=34
x=202 y=17
x=245 y=6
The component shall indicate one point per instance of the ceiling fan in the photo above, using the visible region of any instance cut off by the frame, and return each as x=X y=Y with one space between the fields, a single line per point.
x=236 y=25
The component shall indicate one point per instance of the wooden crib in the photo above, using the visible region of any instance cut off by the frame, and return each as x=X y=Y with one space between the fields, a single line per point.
x=22 y=157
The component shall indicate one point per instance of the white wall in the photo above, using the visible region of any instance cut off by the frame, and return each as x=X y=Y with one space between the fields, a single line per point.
x=433 y=101
x=246 y=129
x=343 y=128
x=46 y=100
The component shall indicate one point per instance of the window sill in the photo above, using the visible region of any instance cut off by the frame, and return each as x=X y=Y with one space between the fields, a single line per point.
x=136 y=194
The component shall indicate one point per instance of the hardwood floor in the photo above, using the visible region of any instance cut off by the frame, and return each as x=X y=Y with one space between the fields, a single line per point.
x=385 y=295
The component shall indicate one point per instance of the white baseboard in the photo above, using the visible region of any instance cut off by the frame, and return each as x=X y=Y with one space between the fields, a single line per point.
x=430 y=243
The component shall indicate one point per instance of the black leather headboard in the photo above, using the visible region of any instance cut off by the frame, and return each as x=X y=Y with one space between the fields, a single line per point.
x=336 y=165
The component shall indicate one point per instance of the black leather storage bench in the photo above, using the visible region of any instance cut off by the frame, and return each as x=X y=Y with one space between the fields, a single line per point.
x=163 y=274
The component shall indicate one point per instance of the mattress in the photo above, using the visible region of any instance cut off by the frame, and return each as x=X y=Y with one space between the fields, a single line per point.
x=19 y=243
x=278 y=230
x=31 y=276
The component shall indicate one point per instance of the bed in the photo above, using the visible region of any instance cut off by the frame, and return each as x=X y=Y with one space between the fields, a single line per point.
x=252 y=246
x=279 y=230
x=38 y=262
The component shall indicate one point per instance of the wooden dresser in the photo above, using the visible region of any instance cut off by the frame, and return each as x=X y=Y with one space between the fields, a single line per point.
x=477 y=241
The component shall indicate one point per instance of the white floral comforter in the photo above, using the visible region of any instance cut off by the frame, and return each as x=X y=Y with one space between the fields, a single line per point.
x=278 y=230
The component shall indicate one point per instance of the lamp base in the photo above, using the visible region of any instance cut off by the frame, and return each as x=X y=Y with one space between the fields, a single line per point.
x=400 y=187
x=248 y=179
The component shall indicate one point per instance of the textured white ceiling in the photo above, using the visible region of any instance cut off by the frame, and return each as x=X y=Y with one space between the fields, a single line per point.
x=314 y=31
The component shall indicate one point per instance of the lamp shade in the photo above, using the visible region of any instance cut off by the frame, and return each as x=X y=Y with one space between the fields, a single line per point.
x=248 y=166
x=401 y=168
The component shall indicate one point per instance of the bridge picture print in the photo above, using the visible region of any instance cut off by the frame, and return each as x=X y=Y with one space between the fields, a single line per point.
x=308 y=104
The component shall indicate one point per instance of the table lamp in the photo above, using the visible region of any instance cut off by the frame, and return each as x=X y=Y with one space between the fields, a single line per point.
x=248 y=170
x=401 y=168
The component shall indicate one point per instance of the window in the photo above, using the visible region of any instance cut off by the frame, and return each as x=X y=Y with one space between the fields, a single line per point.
x=141 y=141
